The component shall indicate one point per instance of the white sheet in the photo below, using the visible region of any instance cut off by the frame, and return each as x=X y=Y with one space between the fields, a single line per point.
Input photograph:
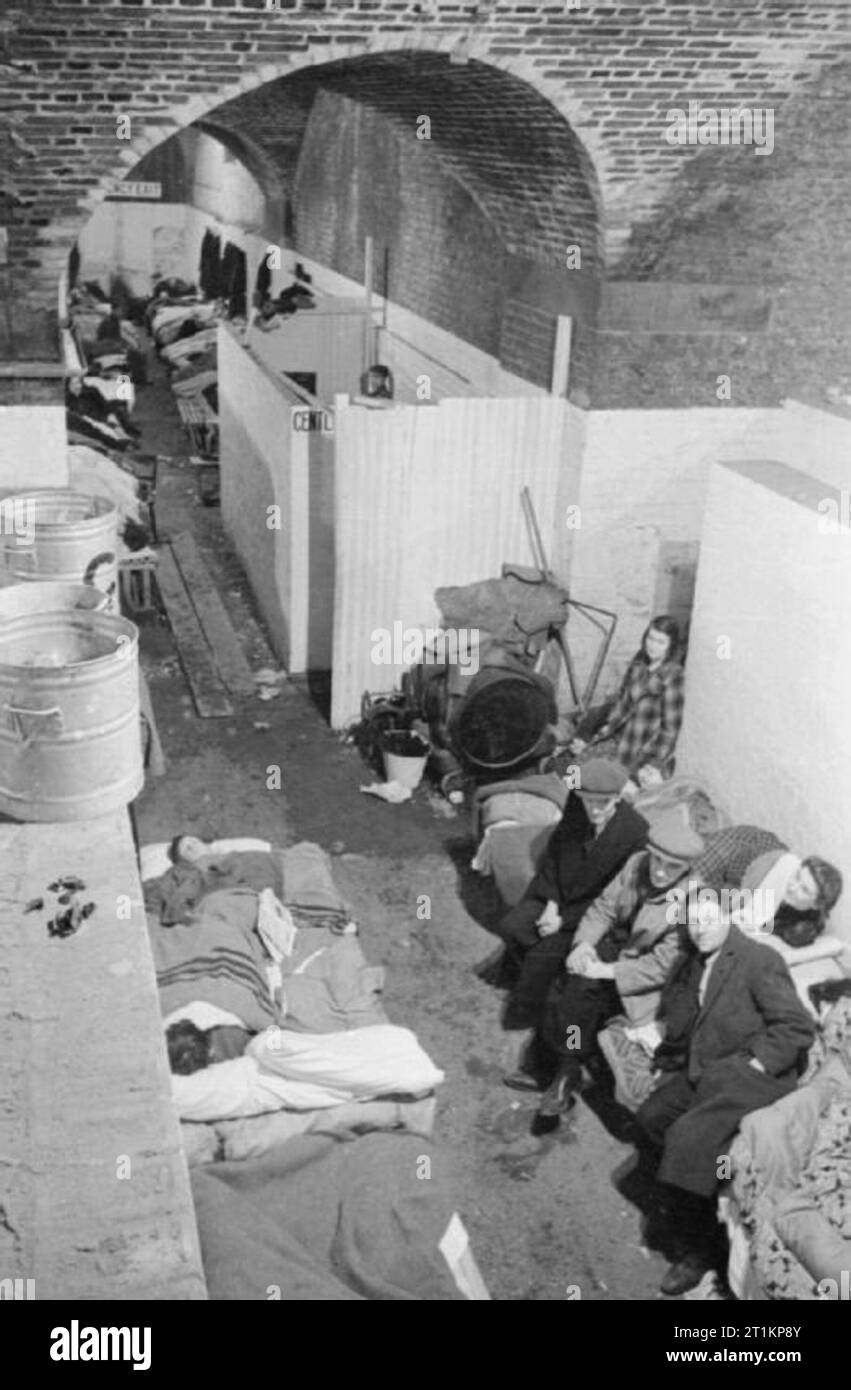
x=306 y=1071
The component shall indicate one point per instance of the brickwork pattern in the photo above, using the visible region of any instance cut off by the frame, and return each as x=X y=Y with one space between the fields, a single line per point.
x=612 y=71
x=361 y=175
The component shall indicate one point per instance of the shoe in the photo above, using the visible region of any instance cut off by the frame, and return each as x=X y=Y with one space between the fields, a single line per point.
x=558 y=1099
x=521 y=1081
x=497 y=970
x=684 y=1275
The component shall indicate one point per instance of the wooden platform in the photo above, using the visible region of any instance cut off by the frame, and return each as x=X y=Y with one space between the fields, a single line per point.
x=200 y=422
x=94 y=1187
x=196 y=656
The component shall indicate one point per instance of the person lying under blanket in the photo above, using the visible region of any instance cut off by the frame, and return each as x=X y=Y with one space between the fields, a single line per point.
x=191 y=1048
x=196 y=871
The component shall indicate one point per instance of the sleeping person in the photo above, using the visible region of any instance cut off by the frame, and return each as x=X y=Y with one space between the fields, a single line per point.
x=196 y=871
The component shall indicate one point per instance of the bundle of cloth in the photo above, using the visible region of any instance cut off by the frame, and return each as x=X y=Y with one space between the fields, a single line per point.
x=191 y=346
x=515 y=819
x=269 y=1004
x=788 y=1205
x=94 y=474
x=324 y=1219
x=171 y=323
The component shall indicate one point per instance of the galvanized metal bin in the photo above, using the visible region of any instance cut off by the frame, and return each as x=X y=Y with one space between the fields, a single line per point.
x=58 y=535
x=70 y=738
x=17 y=600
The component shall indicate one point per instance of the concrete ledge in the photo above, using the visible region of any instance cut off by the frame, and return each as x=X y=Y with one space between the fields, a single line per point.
x=94 y=1190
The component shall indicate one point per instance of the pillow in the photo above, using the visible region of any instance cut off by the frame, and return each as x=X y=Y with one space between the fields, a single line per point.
x=154 y=859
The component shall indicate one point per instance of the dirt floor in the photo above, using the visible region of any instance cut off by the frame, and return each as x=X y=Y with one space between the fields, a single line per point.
x=546 y=1217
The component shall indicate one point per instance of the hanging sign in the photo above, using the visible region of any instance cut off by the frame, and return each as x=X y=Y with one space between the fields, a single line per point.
x=137 y=190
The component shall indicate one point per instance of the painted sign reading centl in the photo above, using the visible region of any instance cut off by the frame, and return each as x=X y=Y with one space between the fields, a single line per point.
x=137 y=190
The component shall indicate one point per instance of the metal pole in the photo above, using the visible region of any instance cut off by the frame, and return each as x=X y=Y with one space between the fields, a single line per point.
x=367 y=313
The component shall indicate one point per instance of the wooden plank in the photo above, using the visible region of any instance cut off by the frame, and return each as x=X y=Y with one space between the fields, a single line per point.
x=212 y=615
x=210 y=696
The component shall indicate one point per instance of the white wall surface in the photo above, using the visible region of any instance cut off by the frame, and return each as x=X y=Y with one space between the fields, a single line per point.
x=642 y=483
x=139 y=241
x=318 y=340
x=427 y=497
x=769 y=726
x=816 y=442
x=265 y=462
x=33 y=447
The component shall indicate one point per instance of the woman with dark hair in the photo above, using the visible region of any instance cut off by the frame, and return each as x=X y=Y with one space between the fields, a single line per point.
x=644 y=721
x=789 y=897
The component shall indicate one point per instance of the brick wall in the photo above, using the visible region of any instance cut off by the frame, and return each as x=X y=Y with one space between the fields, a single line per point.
x=555 y=129
x=611 y=71
x=735 y=221
x=361 y=175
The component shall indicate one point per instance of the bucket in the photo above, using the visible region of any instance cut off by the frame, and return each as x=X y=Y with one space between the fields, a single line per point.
x=17 y=600
x=70 y=739
x=405 y=756
x=74 y=540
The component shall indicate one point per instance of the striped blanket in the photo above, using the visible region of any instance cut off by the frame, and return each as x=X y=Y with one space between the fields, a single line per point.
x=216 y=956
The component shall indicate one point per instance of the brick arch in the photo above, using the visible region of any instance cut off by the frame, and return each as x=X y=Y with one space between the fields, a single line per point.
x=204 y=109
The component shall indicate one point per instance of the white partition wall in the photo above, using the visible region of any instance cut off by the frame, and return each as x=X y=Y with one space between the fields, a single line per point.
x=428 y=496
x=769 y=668
x=277 y=490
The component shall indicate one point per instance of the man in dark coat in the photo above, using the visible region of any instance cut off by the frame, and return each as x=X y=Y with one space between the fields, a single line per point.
x=736 y=1039
x=595 y=837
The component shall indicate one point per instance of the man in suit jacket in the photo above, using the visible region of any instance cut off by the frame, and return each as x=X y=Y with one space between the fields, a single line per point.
x=736 y=1039
x=595 y=837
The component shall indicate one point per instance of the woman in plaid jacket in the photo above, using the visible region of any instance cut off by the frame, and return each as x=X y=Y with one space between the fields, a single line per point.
x=645 y=720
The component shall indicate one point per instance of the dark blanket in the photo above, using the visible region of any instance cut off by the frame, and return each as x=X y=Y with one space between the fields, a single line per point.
x=327 y=1218
x=172 y=897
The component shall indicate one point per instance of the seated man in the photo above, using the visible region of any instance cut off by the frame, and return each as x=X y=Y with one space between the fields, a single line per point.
x=624 y=948
x=595 y=837
x=736 y=1039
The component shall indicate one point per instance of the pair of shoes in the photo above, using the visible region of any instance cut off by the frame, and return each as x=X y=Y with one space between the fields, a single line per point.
x=521 y=1081
x=685 y=1274
x=558 y=1099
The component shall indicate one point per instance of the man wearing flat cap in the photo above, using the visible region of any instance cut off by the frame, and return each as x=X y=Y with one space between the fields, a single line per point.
x=595 y=837
x=622 y=953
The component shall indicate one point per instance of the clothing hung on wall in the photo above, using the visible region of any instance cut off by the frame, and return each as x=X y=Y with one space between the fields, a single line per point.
x=263 y=283
x=209 y=272
x=234 y=279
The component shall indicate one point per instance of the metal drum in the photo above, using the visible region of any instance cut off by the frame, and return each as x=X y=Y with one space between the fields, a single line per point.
x=62 y=536
x=17 y=600
x=70 y=737
x=503 y=719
